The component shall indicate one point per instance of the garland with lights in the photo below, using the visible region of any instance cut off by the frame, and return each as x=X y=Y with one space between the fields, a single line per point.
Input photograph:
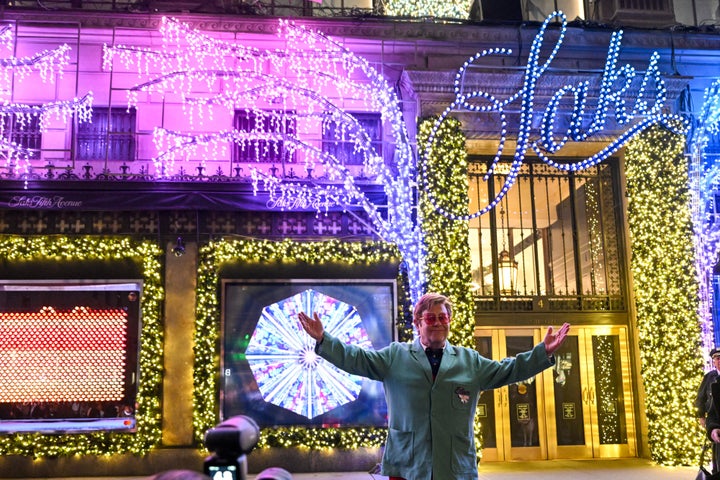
x=446 y=240
x=666 y=292
x=428 y=8
x=207 y=333
x=148 y=434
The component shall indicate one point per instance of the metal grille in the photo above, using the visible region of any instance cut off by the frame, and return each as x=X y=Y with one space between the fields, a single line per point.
x=110 y=135
x=552 y=243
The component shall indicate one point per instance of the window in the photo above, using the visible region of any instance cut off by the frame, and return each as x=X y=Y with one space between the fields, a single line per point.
x=337 y=141
x=553 y=235
x=110 y=135
x=271 y=149
x=23 y=130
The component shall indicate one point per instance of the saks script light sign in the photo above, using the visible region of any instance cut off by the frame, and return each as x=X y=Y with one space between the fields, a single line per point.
x=635 y=110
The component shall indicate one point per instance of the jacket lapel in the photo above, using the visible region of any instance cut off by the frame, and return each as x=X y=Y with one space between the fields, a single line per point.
x=418 y=353
x=448 y=360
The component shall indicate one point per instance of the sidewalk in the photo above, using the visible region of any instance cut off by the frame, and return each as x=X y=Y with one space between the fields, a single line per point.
x=621 y=469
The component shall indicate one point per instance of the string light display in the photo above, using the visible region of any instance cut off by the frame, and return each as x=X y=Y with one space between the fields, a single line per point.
x=428 y=8
x=310 y=82
x=49 y=65
x=148 y=413
x=666 y=292
x=705 y=176
x=609 y=395
x=60 y=356
x=549 y=141
x=446 y=240
x=212 y=258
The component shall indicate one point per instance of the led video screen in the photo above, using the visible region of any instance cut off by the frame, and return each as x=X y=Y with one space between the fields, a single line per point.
x=270 y=371
x=68 y=355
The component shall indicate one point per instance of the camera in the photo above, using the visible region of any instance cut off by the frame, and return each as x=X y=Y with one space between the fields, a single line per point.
x=230 y=442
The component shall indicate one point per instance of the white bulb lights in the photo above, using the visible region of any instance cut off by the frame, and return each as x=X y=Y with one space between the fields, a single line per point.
x=705 y=178
x=313 y=82
x=613 y=94
x=49 y=65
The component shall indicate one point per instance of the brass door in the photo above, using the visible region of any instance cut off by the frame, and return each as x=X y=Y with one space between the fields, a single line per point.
x=581 y=408
x=512 y=428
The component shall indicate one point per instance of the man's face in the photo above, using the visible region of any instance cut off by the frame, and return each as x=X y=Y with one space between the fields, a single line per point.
x=716 y=362
x=433 y=326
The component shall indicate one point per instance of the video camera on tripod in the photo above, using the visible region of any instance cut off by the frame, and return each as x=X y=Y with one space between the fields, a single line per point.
x=231 y=441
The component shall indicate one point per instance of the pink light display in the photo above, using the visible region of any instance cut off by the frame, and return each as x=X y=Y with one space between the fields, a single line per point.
x=62 y=356
x=312 y=82
x=49 y=65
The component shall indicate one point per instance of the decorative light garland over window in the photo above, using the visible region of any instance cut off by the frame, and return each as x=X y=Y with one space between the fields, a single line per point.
x=665 y=292
x=310 y=81
x=207 y=333
x=148 y=434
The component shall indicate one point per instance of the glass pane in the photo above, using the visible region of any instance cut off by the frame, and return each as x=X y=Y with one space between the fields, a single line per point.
x=560 y=239
x=568 y=394
x=486 y=403
x=527 y=245
x=523 y=401
x=609 y=398
x=479 y=233
x=22 y=129
x=338 y=138
x=111 y=135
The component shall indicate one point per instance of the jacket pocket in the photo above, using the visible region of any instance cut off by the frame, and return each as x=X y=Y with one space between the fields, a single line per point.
x=461 y=398
x=399 y=451
x=464 y=457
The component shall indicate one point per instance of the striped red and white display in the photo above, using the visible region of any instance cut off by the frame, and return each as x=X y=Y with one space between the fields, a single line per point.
x=61 y=356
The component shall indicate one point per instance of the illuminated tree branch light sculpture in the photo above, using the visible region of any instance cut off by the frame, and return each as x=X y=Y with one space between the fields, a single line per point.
x=48 y=64
x=309 y=82
x=705 y=175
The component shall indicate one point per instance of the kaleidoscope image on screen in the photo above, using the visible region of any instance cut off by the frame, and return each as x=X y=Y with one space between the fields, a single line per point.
x=282 y=358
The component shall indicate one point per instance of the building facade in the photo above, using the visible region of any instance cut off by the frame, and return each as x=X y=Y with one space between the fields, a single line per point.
x=174 y=159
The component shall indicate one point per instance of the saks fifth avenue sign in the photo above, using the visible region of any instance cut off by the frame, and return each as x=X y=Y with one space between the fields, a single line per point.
x=638 y=109
x=42 y=202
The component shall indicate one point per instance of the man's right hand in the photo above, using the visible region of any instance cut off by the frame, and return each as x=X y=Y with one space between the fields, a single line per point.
x=313 y=326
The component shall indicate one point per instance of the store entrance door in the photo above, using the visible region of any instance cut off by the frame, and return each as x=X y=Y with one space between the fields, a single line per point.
x=581 y=408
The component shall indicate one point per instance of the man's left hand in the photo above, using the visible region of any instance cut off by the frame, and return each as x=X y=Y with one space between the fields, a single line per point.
x=553 y=340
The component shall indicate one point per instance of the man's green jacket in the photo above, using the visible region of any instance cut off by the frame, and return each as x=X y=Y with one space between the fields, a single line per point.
x=430 y=424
